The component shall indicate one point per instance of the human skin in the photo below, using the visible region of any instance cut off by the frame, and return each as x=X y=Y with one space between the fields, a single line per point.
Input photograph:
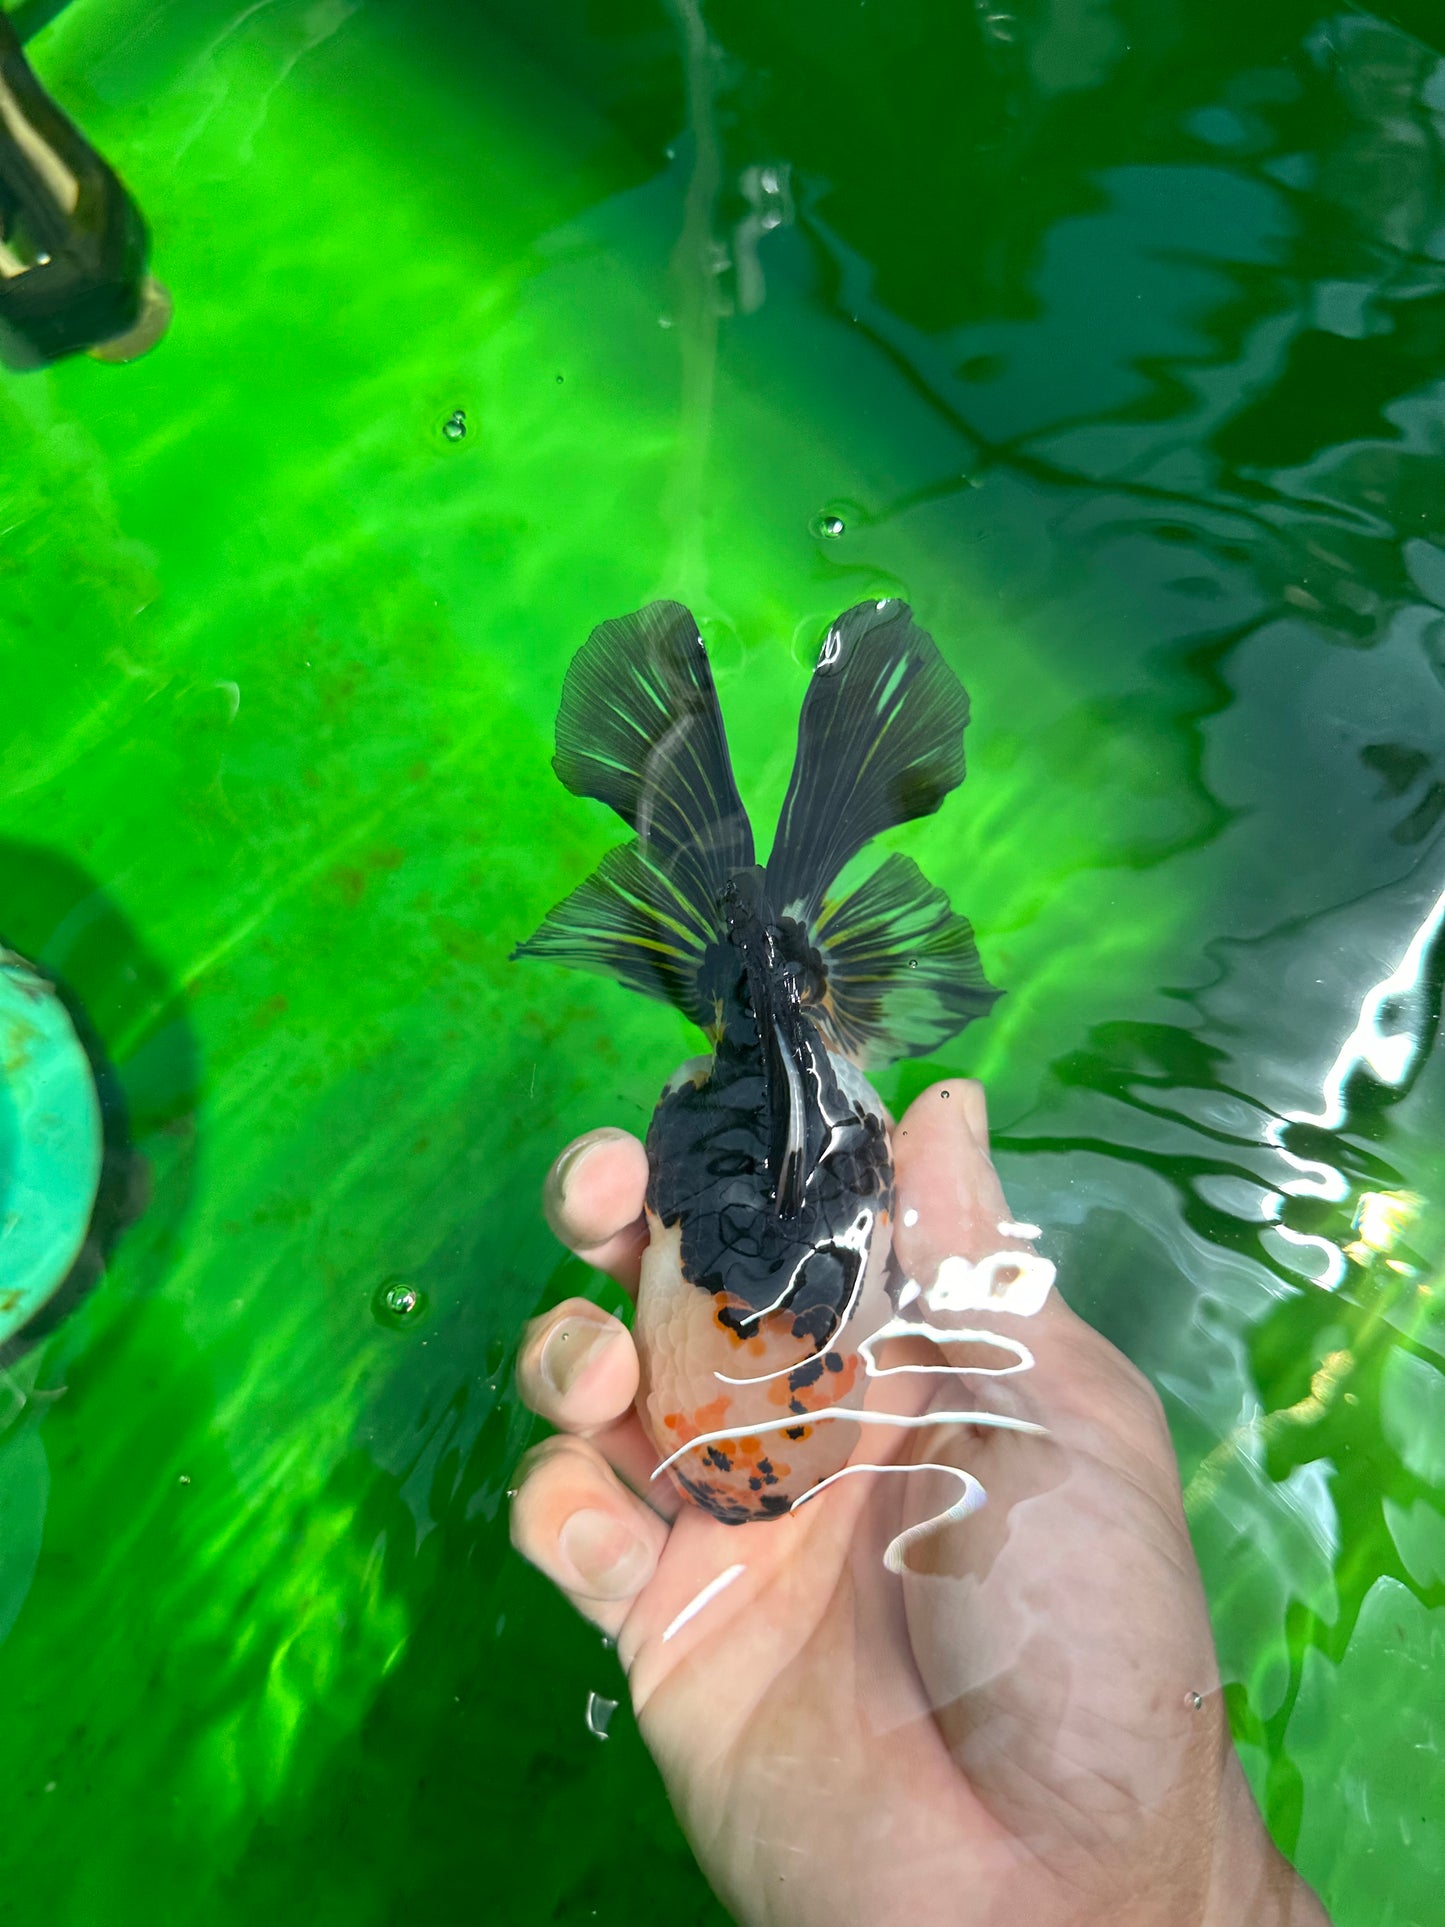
x=1025 y=1728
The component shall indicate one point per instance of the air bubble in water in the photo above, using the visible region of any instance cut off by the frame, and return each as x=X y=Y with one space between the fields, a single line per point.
x=396 y=1303
x=455 y=425
x=913 y=963
x=831 y=526
x=599 y=1714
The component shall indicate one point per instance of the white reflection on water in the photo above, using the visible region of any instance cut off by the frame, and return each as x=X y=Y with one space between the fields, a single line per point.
x=1389 y=1054
x=704 y=1598
x=895 y=1555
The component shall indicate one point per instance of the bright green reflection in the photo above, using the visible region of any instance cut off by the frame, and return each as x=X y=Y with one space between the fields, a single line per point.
x=1113 y=340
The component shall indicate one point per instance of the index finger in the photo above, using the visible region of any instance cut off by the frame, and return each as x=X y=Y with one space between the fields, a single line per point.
x=593 y=1199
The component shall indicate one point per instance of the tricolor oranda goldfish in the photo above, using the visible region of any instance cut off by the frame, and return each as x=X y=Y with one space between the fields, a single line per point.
x=770 y=1190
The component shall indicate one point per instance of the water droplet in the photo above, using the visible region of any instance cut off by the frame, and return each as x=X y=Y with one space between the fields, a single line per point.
x=184 y=1479
x=560 y=378
x=599 y=1714
x=396 y=1303
x=831 y=526
x=913 y=963
x=944 y=1094
x=455 y=425
x=1194 y=1701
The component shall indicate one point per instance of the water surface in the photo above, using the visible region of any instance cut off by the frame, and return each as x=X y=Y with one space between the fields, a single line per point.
x=1111 y=333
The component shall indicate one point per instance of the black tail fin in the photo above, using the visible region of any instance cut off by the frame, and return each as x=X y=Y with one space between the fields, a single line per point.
x=639 y=728
x=880 y=742
x=903 y=972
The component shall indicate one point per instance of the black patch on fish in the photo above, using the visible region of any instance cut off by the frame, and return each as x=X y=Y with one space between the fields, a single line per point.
x=762 y=1244
x=728 y=1507
x=707 y=1150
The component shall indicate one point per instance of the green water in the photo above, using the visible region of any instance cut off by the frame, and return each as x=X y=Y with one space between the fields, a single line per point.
x=1113 y=331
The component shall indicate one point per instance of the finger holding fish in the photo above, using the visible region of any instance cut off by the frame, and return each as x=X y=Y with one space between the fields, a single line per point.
x=577 y=1367
x=578 y=1370
x=575 y=1520
x=593 y=1199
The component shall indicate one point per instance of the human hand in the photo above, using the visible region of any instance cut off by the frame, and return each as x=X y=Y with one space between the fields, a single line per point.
x=1025 y=1727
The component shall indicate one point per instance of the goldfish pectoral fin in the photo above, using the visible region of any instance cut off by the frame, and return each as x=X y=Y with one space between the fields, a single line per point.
x=880 y=741
x=639 y=728
x=630 y=922
x=903 y=970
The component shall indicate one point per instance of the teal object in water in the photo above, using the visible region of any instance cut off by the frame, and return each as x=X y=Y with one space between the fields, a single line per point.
x=50 y=1142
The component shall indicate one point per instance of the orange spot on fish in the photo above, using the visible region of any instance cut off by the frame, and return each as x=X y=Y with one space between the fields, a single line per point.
x=708 y=1418
x=843 y=1382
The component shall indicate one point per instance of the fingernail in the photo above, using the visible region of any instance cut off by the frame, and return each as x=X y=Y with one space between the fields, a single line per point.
x=567 y=1163
x=975 y=1109
x=606 y=1555
x=569 y=1347
x=564 y=1171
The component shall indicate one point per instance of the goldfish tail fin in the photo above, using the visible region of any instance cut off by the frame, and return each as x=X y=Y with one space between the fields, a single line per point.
x=628 y=921
x=639 y=728
x=902 y=970
x=880 y=742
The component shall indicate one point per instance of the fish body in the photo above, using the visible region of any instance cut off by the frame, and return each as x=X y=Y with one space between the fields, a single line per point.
x=770 y=1192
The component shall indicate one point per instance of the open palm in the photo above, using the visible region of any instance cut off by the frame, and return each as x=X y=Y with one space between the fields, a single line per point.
x=1023 y=1727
